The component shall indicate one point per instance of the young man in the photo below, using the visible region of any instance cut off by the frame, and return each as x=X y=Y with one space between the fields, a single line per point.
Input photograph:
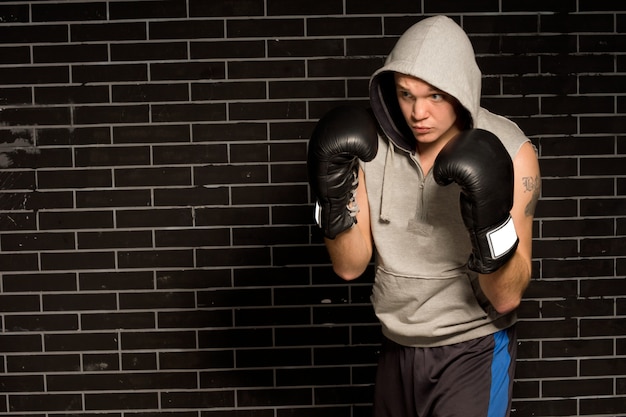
x=444 y=196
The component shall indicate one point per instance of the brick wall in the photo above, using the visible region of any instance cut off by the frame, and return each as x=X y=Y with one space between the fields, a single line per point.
x=156 y=247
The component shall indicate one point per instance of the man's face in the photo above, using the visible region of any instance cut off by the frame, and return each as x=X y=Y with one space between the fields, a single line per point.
x=429 y=112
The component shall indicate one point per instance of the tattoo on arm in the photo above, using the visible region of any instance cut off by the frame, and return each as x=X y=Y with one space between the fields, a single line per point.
x=532 y=185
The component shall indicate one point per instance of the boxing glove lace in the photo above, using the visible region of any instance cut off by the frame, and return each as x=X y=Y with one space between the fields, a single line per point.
x=341 y=137
x=479 y=163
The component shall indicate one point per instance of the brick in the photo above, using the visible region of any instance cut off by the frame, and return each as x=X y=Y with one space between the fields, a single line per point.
x=167 y=176
x=232 y=256
x=192 y=278
x=45 y=402
x=236 y=378
x=100 y=362
x=41 y=322
x=148 y=92
x=228 y=90
x=61 y=95
x=195 y=319
x=602 y=207
x=340 y=356
x=602 y=366
x=375 y=7
x=205 y=359
x=75 y=136
x=20 y=343
x=114 y=239
x=577 y=187
x=237 y=297
x=577 y=347
x=70 y=53
x=126 y=400
x=274 y=357
x=306 y=47
x=577 y=268
x=356 y=394
x=112 y=156
x=75 y=220
x=139 y=361
x=306 y=89
x=158 y=340
x=336 y=26
x=231 y=338
x=113 y=198
x=271 y=236
x=226 y=8
x=150 y=134
x=33 y=33
x=112 y=114
x=14 y=13
x=19 y=303
x=111 y=281
x=151 y=9
x=76 y=260
x=267 y=110
x=186 y=154
x=18 y=262
x=264 y=28
x=43 y=363
x=343 y=67
x=110 y=31
x=80 y=342
x=149 y=51
x=230 y=132
x=174 y=217
x=546 y=407
x=548 y=329
x=188 y=112
x=155 y=258
x=35 y=115
x=75 y=12
x=73 y=302
x=313 y=336
x=198 y=399
x=37 y=241
x=38 y=282
x=266 y=69
x=187 y=71
x=109 y=73
x=613 y=404
x=15 y=55
x=231 y=174
x=192 y=237
x=223 y=50
x=269 y=316
x=231 y=216
x=598 y=43
x=577 y=308
x=602 y=327
x=432 y=6
x=192 y=196
x=157 y=300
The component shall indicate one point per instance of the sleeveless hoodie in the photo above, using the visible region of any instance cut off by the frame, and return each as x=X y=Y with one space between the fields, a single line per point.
x=424 y=295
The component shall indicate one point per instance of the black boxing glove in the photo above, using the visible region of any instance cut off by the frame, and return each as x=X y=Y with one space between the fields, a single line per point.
x=478 y=162
x=341 y=137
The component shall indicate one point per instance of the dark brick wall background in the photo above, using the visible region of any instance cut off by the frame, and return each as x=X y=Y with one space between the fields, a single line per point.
x=156 y=248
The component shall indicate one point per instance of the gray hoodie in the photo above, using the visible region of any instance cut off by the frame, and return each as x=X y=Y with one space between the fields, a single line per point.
x=424 y=294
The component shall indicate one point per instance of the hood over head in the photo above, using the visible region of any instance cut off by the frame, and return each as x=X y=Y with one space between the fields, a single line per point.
x=437 y=51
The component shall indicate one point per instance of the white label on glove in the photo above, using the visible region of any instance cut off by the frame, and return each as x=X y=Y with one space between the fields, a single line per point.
x=318 y=213
x=502 y=239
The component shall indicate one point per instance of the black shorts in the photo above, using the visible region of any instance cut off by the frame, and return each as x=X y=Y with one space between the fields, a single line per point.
x=469 y=379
